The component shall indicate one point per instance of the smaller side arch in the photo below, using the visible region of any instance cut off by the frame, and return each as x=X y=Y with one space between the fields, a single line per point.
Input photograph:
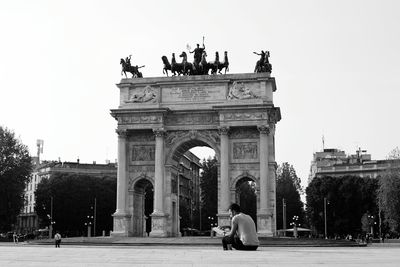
x=133 y=181
x=245 y=174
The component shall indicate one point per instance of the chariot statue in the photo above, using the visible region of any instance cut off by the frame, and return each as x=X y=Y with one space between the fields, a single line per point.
x=200 y=66
x=263 y=64
x=127 y=67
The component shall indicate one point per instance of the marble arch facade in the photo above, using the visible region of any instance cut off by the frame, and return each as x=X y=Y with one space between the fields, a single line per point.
x=159 y=119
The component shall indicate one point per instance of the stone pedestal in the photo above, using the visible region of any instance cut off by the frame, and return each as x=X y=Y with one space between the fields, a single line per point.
x=158 y=225
x=264 y=224
x=121 y=224
x=224 y=219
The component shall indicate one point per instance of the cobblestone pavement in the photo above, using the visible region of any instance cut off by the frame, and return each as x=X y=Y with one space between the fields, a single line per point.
x=27 y=255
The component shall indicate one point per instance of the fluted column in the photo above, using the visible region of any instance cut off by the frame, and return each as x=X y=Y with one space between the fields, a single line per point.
x=122 y=173
x=264 y=157
x=225 y=194
x=159 y=173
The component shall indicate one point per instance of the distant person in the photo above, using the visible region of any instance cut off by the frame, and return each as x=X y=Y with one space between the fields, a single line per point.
x=57 y=239
x=243 y=235
x=15 y=238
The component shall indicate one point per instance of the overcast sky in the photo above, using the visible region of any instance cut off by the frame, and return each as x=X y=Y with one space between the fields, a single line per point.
x=336 y=65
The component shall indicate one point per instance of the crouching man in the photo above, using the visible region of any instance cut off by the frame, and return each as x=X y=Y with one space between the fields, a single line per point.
x=243 y=235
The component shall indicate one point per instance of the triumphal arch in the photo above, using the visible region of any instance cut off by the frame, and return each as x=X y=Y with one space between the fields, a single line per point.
x=159 y=119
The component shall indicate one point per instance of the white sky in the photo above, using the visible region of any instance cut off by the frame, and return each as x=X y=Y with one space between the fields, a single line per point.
x=336 y=65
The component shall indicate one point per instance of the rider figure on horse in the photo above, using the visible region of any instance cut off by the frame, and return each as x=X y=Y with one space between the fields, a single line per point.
x=263 y=64
x=198 y=51
x=128 y=61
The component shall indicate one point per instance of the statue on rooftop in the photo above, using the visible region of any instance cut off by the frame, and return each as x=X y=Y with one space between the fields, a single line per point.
x=263 y=64
x=127 y=67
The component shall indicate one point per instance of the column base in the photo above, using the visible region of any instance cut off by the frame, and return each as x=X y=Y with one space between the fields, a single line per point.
x=158 y=225
x=264 y=225
x=121 y=224
x=224 y=219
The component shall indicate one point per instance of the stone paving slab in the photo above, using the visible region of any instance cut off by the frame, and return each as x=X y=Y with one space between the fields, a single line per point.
x=194 y=241
x=28 y=255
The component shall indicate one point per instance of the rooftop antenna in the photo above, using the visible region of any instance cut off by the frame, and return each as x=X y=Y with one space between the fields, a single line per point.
x=359 y=153
x=323 y=143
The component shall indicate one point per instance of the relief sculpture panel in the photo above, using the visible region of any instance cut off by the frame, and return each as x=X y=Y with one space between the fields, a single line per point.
x=244 y=133
x=196 y=119
x=143 y=153
x=245 y=150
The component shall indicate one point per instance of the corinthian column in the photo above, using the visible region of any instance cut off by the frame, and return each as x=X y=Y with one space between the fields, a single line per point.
x=159 y=173
x=122 y=174
x=264 y=185
x=225 y=194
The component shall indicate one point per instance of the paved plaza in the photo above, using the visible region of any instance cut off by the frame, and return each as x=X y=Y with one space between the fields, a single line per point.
x=35 y=255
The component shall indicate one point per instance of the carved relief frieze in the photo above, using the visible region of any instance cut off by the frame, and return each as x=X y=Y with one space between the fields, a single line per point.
x=244 y=167
x=244 y=133
x=239 y=91
x=245 y=150
x=142 y=168
x=143 y=152
x=175 y=136
x=193 y=119
x=145 y=95
x=136 y=119
x=237 y=116
x=141 y=136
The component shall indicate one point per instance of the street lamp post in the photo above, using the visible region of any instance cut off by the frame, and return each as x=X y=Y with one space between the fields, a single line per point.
x=88 y=223
x=211 y=219
x=294 y=224
x=326 y=228
x=94 y=217
x=284 y=216
x=51 y=218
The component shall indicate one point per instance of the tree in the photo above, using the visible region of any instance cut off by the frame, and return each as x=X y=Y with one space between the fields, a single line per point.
x=209 y=193
x=73 y=200
x=15 y=170
x=288 y=187
x=388 y=193
x=348 y=198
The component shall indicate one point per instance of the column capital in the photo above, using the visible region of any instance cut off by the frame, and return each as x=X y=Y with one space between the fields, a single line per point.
x=223 y=130
x=159 y=132
x=122 y=133
x=264 y=129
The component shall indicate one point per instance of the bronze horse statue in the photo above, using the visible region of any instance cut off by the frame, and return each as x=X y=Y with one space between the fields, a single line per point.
x=187 y=67
x=184 y=68
x=263 y=64
x=200 y=68
x=204 y=66
x=134 y=70
x=167 y=65
x=217 y=66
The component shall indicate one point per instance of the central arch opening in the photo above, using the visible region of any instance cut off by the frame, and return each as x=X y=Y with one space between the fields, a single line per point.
x=246 y=197
x=197 y=187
